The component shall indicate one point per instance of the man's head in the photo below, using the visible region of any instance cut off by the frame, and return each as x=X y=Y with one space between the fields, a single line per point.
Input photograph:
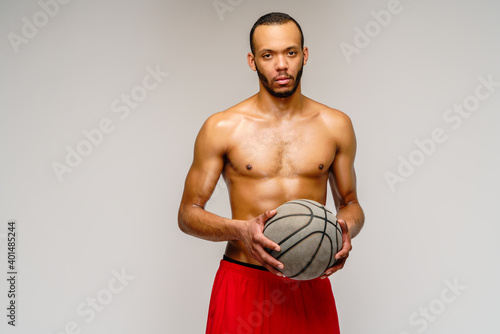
x=278 y=53
x=276 y=19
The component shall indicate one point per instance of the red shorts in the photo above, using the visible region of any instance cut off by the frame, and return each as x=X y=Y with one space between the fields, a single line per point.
x=252 y=301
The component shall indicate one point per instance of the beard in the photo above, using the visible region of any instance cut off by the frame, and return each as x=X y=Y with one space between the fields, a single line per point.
x=284 y=94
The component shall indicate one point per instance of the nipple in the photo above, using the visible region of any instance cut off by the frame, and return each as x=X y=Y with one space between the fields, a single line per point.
x=249 y=167
x=320 y=166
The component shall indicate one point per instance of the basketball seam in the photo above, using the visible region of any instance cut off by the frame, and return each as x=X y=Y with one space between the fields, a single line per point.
x=296 y=244
x=302 y=215
x=311 y=216
x=317 y=249
x=331 y=253
x=312 y=203
x=307 y=203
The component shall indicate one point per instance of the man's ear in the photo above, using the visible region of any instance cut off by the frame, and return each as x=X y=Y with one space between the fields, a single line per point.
x=251 y=61
x=305 y=51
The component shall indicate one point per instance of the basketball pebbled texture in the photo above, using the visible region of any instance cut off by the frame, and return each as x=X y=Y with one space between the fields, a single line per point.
x=309 y=236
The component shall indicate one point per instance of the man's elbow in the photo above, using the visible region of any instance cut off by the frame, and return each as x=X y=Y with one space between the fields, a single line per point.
x=181 y=221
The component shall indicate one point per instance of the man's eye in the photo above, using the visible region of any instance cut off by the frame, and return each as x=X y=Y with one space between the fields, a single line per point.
x=292 y=53
x=267 y=56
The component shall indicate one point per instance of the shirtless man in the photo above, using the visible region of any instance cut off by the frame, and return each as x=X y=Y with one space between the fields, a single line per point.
x=275 y=146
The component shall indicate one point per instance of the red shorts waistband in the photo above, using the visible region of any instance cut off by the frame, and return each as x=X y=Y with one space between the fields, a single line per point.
x=257 y=273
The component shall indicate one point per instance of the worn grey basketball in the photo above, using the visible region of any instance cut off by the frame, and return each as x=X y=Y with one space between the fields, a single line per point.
x=309 y=236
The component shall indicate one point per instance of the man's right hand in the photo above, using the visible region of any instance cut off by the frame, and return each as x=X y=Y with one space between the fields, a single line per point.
x=253 y=237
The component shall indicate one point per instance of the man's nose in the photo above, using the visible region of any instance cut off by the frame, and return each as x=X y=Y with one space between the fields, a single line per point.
x=281 y=63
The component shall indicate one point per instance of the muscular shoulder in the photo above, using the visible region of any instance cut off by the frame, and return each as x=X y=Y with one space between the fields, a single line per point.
x=229 y=119
x=337 y=126
x=219 y=127
x=334 y=119
x=224 y=121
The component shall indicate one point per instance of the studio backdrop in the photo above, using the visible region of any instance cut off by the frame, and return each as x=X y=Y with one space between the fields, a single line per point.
x=100 y=104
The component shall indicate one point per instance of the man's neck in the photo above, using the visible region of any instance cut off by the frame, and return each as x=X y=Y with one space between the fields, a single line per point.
x=280 y=107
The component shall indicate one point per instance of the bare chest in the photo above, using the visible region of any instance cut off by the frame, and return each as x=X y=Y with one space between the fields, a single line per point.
x=299 y=151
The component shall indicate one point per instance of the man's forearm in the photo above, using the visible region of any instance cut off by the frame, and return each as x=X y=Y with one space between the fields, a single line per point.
x=354 y=217
x=196 y=221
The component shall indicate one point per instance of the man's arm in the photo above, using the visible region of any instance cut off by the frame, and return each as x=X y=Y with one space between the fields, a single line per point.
x=208 y=163
x=343 y=184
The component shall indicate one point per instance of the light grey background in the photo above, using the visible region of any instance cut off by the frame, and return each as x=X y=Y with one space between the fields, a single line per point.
x=116 y=211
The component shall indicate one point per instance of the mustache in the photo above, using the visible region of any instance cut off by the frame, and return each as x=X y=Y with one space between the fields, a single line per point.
x=283 y=75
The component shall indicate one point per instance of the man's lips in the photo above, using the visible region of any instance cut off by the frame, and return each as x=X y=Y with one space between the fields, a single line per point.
x=283 y=80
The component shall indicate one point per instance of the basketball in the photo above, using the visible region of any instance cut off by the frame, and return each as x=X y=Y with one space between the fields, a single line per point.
x=309 y=236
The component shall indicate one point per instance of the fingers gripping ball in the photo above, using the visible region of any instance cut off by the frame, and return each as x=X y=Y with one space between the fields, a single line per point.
x=309 y=236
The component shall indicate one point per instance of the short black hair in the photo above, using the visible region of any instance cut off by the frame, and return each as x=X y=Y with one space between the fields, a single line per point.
x=274 y=18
